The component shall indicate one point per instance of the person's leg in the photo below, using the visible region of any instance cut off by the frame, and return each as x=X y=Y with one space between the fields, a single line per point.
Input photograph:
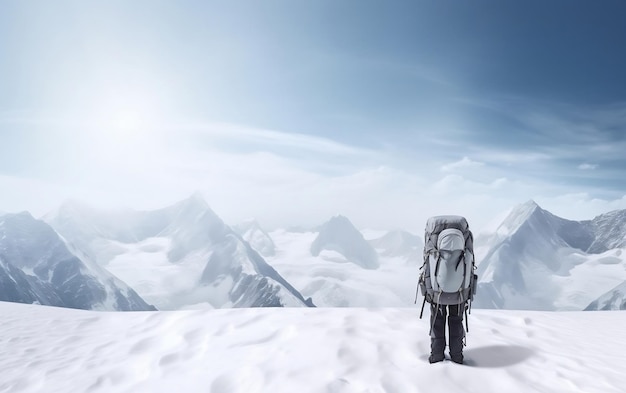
x=457 y=333
x=438 y=333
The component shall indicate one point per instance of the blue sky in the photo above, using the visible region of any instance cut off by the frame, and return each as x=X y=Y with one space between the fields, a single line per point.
x=387 y=112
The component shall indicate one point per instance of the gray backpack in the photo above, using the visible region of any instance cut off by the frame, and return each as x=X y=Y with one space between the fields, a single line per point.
x=447 y=275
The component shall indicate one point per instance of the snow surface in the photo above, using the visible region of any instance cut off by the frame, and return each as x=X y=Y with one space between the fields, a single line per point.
x=48 y=349
x=145 y=267
x=331 y=280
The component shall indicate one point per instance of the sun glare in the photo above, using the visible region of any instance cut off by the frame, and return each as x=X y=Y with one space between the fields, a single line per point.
x=127 y=117
x=123 y=108
x=128 y=121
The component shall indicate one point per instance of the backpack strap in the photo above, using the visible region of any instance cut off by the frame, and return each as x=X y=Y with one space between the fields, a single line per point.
x=417 y=290
x=461 y=258
x=464 y=271
x=437 y=264
x=423 y=303
x=432 y=325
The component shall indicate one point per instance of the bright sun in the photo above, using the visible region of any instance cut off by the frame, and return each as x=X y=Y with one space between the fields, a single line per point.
x=124 y=134
x=124 y=121
x=123 y=112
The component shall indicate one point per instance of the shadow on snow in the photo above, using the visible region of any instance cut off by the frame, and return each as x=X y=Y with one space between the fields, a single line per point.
x=495 y=356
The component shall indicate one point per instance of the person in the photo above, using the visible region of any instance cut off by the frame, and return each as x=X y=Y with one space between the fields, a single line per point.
x=447 y=281
x=454 y=315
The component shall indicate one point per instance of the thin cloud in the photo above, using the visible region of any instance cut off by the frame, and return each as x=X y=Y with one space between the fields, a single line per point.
x=587 y=167
x=271 y=138
x=302 y=182
x=464 y=163
x=580 y=206
x=577 y=128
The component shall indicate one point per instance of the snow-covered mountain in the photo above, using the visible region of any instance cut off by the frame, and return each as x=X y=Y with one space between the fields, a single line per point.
x=615 y=299
x=536 y=260
x=339 y=235
x=36 y=266
x=17 y=287
x=608 y=230
x=400 y=244
x=260 y=240
x=176 y=257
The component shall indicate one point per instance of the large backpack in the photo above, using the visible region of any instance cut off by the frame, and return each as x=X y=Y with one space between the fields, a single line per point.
x=447 y=275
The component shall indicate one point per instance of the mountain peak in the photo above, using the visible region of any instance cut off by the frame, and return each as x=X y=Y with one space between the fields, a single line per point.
x=529 y=205
x=72 y=205
x=23 y=214
x=195 y=199
x=338 y=234
x=194 y=206
x=77 y=210
x=22 y=219
x=252 y=232
x=525 y=208
x=338 y=219
x=516 y=218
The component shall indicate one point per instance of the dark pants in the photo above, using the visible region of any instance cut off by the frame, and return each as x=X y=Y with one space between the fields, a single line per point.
x=454 y=314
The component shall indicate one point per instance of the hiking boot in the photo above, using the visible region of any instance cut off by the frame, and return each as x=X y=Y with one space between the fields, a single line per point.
x=437 y=345
x=435 y=358
x=457 y=358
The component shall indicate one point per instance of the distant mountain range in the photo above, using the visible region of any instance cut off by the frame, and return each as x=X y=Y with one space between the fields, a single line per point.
x=539 y=261
x=185 y=256
x=180 y=256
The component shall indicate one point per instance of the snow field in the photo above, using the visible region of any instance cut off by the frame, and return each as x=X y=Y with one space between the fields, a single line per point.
x=333 y=281
x=333 y=350
x=145 y=267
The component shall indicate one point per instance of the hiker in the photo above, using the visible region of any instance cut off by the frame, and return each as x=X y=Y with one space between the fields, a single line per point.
x=447 y=281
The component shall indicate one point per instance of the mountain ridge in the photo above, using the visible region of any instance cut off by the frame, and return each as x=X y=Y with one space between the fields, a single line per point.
x=535 y=260
x=182 y=255
x=49 y=273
